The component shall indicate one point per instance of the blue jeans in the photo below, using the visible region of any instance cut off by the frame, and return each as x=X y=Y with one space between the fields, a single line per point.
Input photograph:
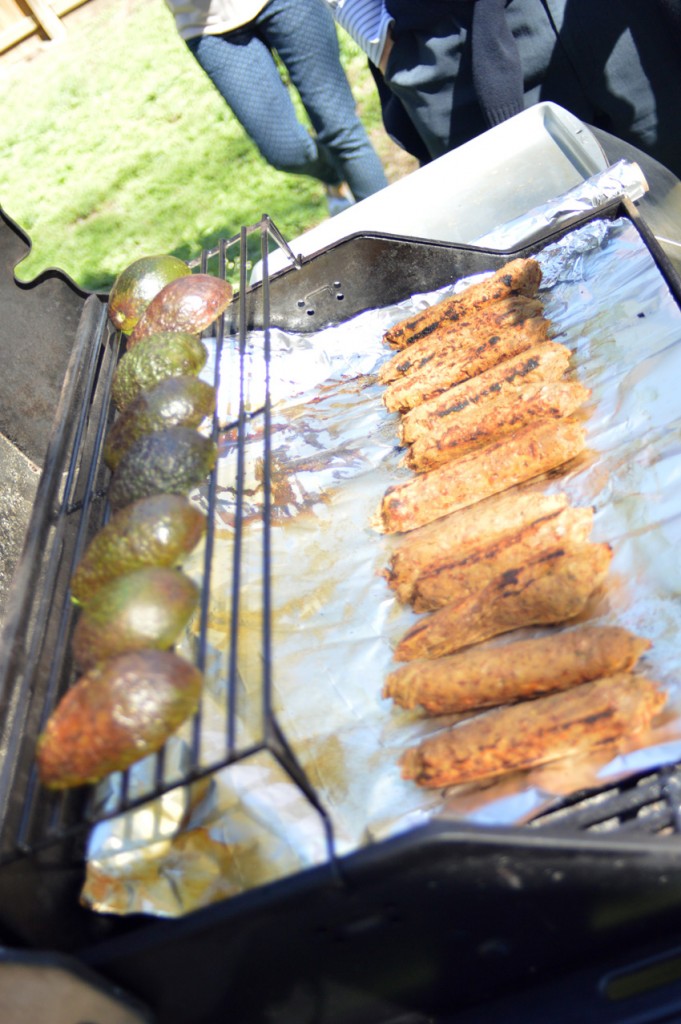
x=242 y=67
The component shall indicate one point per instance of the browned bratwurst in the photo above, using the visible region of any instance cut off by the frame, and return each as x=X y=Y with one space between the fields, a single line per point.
x=453 y=578
x=483 y=677
x=545 y=361
x=512 y=460
x=462 y=335
x=518 y=277
x=468 y=531
x=453 y=365
x=553 y=588
x=463 y=432
x=536 y=732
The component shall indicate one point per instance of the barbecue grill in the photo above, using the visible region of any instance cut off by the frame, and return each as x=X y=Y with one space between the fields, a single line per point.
x=446 y=921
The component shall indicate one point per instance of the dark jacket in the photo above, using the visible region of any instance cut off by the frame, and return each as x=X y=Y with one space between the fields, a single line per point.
x=412 y=16
x=497 y=73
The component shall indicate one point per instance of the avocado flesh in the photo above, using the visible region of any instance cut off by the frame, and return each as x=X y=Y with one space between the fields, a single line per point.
x=119 y=712
x=171 y=461
x=162 y=355
x=144 y=609
x=159 y=530
x=176 y=402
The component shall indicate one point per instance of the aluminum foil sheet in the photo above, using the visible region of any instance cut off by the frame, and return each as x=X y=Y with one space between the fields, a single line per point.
x=622 y=178
x=335 y=620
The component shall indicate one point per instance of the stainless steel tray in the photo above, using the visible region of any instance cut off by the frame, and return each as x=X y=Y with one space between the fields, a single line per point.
x=500 y=175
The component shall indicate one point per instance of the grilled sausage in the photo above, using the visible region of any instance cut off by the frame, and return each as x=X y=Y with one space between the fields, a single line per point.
x=452 y=365
x=482 y=677
x=461 y=335
x=453 y=578
x=535 y=732
x=467 y=531
x=546 y=361
x=477 y=425
x=518 y=277
x=511 y=460
x=553 y=588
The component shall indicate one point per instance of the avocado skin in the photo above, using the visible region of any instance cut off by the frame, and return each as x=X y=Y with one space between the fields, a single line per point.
x=147 y=608
x=116 y=714
x=161 y=355
x=186 y=304
x=136 y=285
x=156 y=531
x=176 y=402
x=171 y=461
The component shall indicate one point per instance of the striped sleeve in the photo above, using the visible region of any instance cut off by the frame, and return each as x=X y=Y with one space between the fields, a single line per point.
x=365 y=21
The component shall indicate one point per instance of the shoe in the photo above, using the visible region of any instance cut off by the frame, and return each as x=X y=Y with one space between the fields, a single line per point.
x=338 y=198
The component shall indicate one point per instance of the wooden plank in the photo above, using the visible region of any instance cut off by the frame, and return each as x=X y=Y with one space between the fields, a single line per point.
x=10 y=13
x=15 y=33
x=46 y=18
x=62 y=7
x=16 y=26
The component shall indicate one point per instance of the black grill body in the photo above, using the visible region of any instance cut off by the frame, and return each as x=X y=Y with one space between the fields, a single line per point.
x=440 y=923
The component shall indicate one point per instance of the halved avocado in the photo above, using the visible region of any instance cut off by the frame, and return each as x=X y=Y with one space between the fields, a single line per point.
x=116 y=714
x=172 y=461
x=144 y=609
x=138 y=284
x=176 y=402
x=157 y=531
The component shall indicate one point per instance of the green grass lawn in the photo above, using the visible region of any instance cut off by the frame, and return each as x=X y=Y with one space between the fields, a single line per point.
x=115 y=145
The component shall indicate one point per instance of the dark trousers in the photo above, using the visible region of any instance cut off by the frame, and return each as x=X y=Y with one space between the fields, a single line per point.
x=612 y=63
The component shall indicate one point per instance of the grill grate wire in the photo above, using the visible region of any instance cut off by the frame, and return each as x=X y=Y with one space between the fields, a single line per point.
x=40 y=668
x=647 y=803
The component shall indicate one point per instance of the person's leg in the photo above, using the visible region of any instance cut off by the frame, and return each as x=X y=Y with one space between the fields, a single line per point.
x=243 y=70
x=431 y=72
x=304 y=34
x=626 y=55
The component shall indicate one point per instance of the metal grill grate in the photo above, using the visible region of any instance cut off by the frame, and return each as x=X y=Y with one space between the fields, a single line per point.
x=71 y=505
x=360 y=272
x=646 y=804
